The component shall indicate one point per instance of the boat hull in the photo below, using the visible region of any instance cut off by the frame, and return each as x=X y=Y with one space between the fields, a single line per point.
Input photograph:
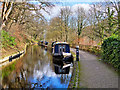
x=60 y=59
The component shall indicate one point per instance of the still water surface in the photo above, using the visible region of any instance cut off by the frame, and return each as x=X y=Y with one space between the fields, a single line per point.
x=37 y=71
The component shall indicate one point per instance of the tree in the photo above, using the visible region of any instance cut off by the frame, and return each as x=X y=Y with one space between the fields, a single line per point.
x=6 y=10
x=66 y=18
x=61 y=24
x=26 y=15
x=54 y=30
x=73 y=23
x=116 y=5
x=92 y=23
x=110 y=21
x=81 y=17
x=100 y=21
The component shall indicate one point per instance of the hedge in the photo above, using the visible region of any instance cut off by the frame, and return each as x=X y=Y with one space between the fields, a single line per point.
x=111 y=51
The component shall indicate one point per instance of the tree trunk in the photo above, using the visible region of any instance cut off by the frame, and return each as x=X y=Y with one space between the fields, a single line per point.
x=66 y=37
x=119 y=22
x=6 y=9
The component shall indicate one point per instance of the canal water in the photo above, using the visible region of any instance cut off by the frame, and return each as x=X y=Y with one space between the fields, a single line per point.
x=36 y=71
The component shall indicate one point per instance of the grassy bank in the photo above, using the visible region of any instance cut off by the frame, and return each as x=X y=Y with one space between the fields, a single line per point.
x=75 y=79
x=7 y=70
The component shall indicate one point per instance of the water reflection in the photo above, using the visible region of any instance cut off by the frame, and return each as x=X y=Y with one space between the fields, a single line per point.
x=37 y=71
x=59 y=70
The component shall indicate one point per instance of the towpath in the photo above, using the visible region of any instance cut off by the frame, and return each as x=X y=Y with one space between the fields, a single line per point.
x=96 y=74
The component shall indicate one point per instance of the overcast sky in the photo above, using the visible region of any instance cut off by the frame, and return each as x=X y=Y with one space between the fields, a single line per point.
x=54 y=11
x=74 y=4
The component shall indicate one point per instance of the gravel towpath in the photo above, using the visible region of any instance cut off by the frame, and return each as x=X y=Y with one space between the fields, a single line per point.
x=94 y=73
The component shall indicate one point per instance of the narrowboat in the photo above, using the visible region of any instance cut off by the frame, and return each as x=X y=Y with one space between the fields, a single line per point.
x=46 y=44
x=52 y=45
x=61 y=53
x=40 y=43
x=59 y=70
x=43 y=43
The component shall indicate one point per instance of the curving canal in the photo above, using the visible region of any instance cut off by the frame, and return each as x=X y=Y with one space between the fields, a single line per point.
x=36 y=70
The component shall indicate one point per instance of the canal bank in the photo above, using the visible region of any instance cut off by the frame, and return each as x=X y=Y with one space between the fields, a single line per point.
x=6 y=61
x=75 y=78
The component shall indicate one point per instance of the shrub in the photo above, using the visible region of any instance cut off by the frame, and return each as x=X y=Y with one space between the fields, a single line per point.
x=7 y=40
x=111 y=51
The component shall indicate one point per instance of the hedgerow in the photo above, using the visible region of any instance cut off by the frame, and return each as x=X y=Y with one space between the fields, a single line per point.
x=111 y=51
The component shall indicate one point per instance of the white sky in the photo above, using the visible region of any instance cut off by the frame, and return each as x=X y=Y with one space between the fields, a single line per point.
x=59 y=0
x=74 y=4
x=54 y=11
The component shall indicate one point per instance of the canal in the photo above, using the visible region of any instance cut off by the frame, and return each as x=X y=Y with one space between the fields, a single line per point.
x=36 y=70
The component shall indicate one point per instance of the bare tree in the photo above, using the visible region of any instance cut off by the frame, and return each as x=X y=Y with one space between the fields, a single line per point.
x=81 y=20
x=100 y=21
x=24 y=14
x=92 y=22
x=73 y=23
x=66 y=15
x=61 y=24
x=6 y=10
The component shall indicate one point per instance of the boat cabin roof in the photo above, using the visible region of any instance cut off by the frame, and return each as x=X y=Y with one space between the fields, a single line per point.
x=60 y=47
x=58 y=43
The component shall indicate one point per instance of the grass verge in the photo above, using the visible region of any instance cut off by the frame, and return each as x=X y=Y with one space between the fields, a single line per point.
x=7 y=70
x=75 y=79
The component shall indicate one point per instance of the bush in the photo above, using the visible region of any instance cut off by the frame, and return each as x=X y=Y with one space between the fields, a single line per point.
x=111 y=51
x=7 y=40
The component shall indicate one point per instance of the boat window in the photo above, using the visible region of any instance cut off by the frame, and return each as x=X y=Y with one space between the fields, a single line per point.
x=67 y=49
x=60 y=49
x=56 y=49
x=63 y=48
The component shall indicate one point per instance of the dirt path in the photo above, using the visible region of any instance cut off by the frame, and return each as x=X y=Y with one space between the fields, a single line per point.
x=95 y=74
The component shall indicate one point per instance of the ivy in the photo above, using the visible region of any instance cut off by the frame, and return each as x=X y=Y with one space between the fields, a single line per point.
x=7 y=40
x=111 y=51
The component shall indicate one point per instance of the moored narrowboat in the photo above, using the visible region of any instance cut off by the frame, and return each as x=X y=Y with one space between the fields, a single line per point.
x=43 y=43
x=61 y=53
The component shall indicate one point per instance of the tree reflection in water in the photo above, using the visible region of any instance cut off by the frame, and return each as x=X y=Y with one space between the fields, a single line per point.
x=37 y=71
